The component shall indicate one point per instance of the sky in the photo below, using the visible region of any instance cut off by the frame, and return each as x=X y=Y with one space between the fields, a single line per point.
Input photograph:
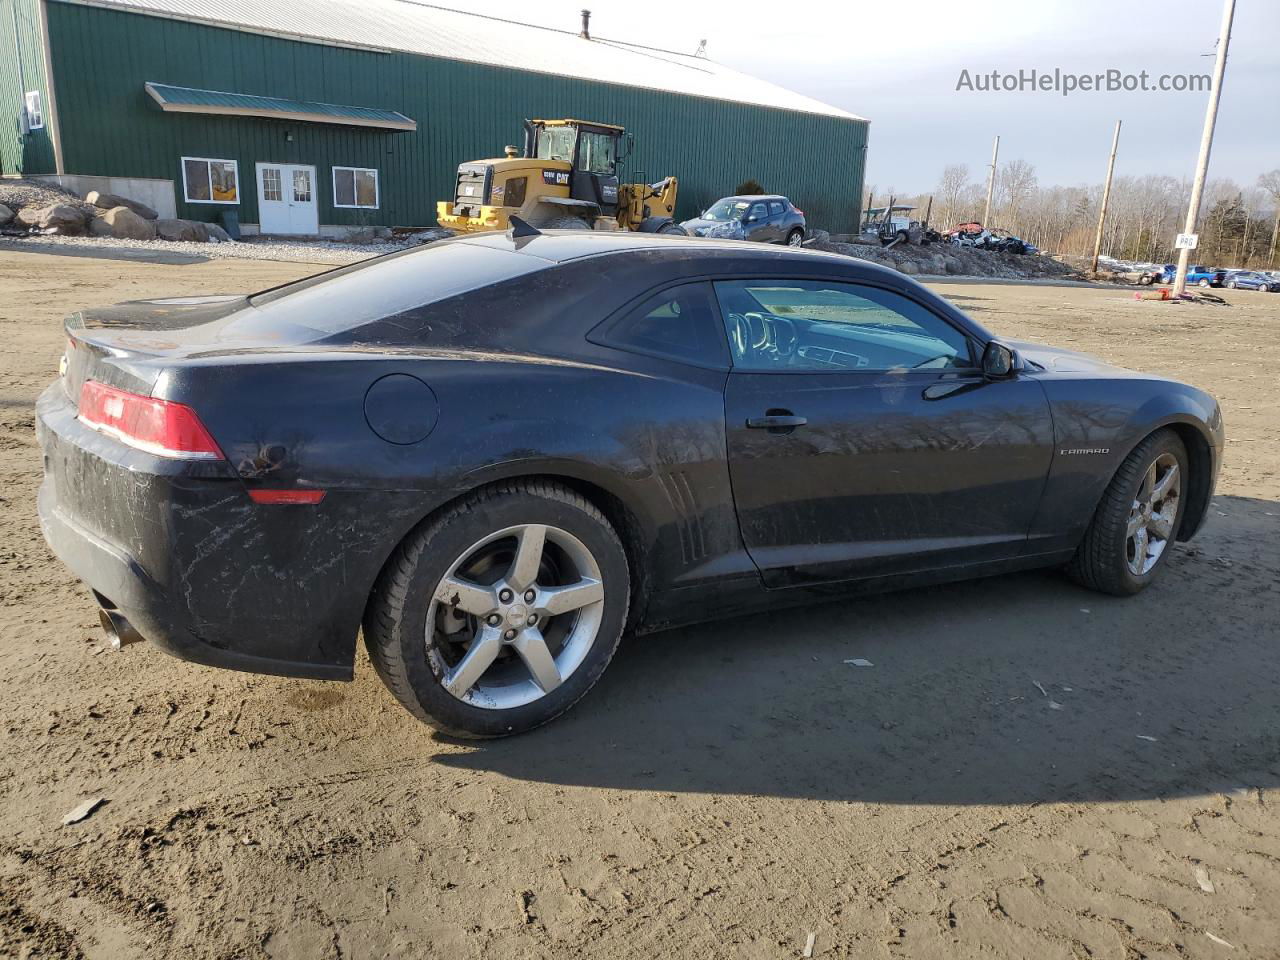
x=898 y=64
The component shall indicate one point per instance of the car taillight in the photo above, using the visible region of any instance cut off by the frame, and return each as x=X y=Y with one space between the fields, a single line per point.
x=161 y=427
x=797 y=210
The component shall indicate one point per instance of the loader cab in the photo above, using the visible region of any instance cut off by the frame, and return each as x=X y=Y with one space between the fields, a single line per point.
x=592 y=151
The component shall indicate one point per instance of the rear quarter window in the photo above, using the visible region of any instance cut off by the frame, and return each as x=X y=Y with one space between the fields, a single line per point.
x=680 y=323
x=342 y=300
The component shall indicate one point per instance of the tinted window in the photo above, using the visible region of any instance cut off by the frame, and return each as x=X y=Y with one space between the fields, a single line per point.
x=354 y=295
x=775 y=208
x=797 y=325
x=679 y=323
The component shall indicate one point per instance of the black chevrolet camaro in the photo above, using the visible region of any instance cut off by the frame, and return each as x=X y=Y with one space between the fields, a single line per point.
x=498 y=453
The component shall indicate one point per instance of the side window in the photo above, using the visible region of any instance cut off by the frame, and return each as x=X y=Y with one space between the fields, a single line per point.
x=678 y=323
x=515 y=190
x=792 y=326
x=776 y=208
x=597 y=152
x=758 y=211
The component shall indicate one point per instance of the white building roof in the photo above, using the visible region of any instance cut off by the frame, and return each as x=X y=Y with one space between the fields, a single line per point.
x=413 y=27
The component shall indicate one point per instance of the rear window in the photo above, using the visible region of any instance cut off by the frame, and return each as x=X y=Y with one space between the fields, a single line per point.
x=341 y=300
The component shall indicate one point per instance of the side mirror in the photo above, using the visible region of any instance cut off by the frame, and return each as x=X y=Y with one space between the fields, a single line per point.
x=999 y=362
x=749 y=219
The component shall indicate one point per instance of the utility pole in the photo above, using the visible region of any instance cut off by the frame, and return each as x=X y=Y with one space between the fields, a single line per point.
x=1206 y=143
x=1106 y=195
x=991 y=185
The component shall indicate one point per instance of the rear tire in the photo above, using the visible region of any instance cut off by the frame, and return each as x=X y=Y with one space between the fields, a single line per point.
x=673 y=229
x=1206 y=284
x=439 y=601
x=1136 y=523
x=795 y=238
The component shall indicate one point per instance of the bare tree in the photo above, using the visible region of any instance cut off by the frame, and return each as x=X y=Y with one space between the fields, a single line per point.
x=1015 y=182
x=955 y=178
x=1269 y=182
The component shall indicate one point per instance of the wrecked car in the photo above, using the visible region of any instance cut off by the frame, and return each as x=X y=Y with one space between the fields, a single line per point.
x=765 y=218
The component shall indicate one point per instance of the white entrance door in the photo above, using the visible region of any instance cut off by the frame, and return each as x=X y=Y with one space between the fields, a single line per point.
x=287 y=199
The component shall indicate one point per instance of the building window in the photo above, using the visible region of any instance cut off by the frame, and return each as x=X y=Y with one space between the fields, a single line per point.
x=302 y=185
x=205 y=180
x=35 y=115
x=355 y=187
x=271 y=184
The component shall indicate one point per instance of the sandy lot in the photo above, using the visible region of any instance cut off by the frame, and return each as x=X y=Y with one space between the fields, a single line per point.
x=726 y=790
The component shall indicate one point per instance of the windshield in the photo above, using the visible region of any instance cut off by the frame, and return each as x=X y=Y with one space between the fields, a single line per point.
x=727 y=210
x=555 y=143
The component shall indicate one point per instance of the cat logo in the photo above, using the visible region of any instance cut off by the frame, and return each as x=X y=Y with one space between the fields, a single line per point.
x=556 y=178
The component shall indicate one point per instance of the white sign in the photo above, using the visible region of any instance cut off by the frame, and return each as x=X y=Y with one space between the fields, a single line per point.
x=1187 y=241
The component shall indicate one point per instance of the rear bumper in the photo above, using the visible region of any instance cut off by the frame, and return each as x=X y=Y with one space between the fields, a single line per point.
x=119 y=582
x=162 y=548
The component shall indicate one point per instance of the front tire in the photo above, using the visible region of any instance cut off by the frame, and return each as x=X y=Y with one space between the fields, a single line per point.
x=1136 y=523
x=566 y=223
x=499 y=614
x=1231 y=285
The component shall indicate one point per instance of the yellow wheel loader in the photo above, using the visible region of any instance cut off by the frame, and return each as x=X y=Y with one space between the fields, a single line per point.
x=567 y=178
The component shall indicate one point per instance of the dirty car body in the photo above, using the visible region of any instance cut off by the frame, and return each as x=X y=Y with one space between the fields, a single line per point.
x=343 y=412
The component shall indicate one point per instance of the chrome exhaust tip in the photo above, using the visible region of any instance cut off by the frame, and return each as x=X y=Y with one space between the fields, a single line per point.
x=119 y=631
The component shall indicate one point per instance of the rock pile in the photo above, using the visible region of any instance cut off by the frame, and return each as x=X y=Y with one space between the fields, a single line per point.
x=946 y=259
x=37 y=208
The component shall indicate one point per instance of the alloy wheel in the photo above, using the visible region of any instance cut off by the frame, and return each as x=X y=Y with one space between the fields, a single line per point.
x=514 y=616
x=795 y=240
x=1154 y=515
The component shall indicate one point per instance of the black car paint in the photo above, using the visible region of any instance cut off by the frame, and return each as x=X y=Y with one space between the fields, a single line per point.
x=898 y=479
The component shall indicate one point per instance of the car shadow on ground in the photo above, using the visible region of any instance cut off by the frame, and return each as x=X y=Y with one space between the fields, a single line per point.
x=1015 y=689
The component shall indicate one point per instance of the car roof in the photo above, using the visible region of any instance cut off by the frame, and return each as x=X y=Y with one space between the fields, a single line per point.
x=562 y=246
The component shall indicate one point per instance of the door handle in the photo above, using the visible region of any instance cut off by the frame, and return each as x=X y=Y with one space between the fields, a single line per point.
x=776 y=421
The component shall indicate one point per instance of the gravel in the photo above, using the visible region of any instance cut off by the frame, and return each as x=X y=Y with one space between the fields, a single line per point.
x=16 y=194
x=934 y=260
x=945 y=259
x=250 y=248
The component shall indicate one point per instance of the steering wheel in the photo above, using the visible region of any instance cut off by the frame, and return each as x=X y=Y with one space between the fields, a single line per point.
x=739 y=334
x=784 y=335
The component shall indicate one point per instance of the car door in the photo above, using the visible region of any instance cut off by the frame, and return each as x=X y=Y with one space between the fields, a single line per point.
x=777 y=220
x=756 y=222
x=863 y=440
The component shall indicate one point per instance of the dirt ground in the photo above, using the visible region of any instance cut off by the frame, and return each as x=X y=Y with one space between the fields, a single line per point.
x=1028 y=769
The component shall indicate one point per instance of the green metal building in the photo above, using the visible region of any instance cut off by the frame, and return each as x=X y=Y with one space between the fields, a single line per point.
x=313 y=116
